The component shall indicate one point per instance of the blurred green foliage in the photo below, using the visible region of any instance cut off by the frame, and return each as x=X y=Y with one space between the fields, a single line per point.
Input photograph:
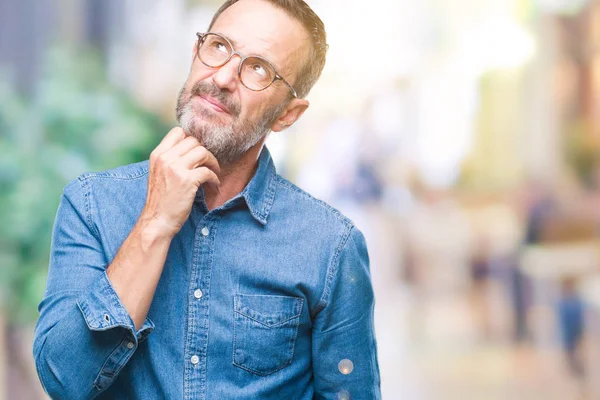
x=76 y=121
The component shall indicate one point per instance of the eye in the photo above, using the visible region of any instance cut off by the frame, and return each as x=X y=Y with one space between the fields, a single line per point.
x=259 y=70
x=219 y=46
x=257 y=73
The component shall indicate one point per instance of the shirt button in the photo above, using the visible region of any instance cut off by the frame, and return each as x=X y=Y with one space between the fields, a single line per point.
x=205 y=231
x=130 y=345
x=197 y=293
x=195 y=359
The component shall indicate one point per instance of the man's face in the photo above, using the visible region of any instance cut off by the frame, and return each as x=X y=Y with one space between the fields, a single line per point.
x=215 y=107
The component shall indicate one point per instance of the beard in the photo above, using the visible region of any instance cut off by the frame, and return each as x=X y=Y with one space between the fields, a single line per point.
x=226 y=141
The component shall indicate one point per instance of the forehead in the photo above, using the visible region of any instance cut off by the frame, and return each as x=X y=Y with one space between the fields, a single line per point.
x=259 y=27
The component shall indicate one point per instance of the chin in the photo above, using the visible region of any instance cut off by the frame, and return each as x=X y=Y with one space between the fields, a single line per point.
x=194 y=122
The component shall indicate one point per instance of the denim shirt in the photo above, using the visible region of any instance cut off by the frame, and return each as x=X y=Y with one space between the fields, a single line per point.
x=268 y=296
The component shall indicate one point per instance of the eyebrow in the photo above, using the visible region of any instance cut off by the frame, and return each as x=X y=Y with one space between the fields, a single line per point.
x=233 y=42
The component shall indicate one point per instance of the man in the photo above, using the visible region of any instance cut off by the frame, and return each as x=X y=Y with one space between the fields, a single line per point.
x=201 y=273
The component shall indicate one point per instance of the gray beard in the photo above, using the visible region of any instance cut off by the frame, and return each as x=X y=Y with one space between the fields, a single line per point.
x=228 y=143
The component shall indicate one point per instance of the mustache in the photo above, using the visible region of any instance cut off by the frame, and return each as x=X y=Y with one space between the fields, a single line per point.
x=205 y=88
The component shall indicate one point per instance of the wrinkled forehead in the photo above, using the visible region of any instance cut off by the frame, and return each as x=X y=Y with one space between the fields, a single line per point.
x=257 y=27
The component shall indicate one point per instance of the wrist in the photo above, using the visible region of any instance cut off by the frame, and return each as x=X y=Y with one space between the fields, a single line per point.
x=153 y=231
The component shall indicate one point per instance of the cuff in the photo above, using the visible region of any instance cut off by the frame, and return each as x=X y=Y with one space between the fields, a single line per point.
x=102 y=310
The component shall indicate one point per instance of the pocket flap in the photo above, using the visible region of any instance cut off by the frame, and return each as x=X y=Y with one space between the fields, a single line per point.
x=269 y=310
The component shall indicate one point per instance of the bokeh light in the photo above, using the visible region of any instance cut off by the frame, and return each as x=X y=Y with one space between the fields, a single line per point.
x=346 y=366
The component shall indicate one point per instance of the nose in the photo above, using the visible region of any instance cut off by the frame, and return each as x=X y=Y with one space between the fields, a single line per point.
x=226 y=76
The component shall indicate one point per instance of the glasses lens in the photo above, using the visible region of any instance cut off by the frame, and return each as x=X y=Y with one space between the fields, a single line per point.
x=257 y=73
x=214 y=50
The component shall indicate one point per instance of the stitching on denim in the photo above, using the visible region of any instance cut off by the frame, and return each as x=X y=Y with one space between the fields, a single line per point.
x=347 y=222
x=267 y=325
x=299 y=305
x=190 y=309
x=290 y=186
x=294 y=338
x=269 y=296
x=88 y=215
x=146 y=329
x=84 y=308
x=332 y=270
x=299 y=302
x=84 y=180
x=235 y=301
x=119 y=177
x=85 y=311
x=117 y=308
x=263 y=373
x=207 y=277
x=107 y=361
x=112 y=173
x=125 y=355
x=269 y=196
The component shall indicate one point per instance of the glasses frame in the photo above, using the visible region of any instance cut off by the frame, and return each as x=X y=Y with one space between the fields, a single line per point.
x=243 y=58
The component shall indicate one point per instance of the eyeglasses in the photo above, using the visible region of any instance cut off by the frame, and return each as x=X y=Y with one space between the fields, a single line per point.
x=255 y=72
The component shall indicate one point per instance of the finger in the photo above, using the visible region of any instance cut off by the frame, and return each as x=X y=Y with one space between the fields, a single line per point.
x=174 y=136
x=182 y=147
x=200 y=156
x=204 y=175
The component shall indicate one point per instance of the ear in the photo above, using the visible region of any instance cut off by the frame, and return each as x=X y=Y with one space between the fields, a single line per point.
x=292 y=112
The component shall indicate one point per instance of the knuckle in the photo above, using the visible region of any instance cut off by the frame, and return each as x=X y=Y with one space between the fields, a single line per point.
x=176 y=174
x=192 y=138
x=205 y=173
x=177 y=131
x=161 y=159
x=202 y=152
x=181 y=176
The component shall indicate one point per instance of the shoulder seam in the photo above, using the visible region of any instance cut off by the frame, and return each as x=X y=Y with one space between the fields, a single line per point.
x=87 y=175
x=83 y=181
x=290 y=186
x=332 y=270
x=124 y=172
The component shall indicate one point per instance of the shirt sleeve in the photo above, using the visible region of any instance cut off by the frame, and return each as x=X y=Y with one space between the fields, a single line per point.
x=344 y=352
x=84 y=335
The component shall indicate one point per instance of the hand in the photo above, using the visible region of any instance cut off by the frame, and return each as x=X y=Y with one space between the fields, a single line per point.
x=178 y=166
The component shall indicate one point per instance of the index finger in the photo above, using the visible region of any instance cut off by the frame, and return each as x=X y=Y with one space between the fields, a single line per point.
x=200 y=156
x=174 y=136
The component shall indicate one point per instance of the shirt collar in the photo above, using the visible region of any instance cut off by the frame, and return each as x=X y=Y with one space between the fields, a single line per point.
x=259 y=193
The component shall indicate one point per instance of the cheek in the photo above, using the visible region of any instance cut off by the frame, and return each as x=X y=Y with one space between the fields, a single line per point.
x=253 y=104
x=249 y=112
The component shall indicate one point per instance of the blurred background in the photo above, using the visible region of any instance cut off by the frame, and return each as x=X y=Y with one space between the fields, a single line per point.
x=461 y=136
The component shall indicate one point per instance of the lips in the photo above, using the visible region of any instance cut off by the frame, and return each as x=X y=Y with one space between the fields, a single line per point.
x=216 y=105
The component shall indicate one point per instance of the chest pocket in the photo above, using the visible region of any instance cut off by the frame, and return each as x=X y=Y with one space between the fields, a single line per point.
x=265 y=331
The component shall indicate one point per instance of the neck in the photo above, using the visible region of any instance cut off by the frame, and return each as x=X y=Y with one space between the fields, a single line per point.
x=233 y=178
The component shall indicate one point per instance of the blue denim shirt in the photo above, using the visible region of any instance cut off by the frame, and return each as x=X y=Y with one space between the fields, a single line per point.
x=268 y=296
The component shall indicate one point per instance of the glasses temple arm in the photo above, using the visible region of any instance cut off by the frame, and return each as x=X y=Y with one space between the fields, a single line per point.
x=287 y=84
